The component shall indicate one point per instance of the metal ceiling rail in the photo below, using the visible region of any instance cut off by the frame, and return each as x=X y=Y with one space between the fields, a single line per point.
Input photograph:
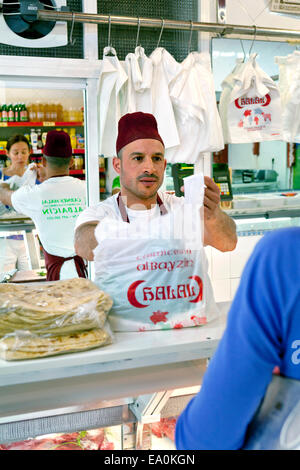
x=219 y=29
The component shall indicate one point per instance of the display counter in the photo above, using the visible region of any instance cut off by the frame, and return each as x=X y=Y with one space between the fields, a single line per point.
x=13 y=223
x=102 y=386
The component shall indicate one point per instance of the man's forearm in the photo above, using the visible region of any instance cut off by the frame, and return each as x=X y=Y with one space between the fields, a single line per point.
x=85 y=241
x=5 y=195
x=220 y=231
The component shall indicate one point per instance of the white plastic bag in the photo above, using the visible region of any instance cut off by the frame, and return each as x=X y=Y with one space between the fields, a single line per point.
x=195 y=109
x=289 y=86
x=155 y=271
x=15 y=182
x=253 y=111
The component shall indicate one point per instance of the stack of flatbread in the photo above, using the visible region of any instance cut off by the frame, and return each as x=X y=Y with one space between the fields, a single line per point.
x=42 y=320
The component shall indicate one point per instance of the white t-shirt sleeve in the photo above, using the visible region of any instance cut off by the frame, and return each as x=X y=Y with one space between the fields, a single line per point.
x=22 y=200
x=90 y=214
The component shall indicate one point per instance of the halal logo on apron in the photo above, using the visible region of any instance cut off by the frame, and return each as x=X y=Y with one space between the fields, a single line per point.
x=192 y=292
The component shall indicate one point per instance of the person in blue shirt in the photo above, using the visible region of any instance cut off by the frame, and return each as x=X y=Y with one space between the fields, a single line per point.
x=12 y=247
x=262 y=333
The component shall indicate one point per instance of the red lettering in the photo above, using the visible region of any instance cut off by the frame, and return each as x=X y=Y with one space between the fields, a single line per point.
x=153 y=266
x=162 y=265
x=181 y=290
x=160 y=293
x=170 y=293
x=148 y=294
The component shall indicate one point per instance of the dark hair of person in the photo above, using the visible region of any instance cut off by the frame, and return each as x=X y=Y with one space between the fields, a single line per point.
x=15 y=139
x=58 y=162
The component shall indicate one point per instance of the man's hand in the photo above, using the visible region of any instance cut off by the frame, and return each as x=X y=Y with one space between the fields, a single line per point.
x=5 y=194
x=41 y=172
x=219 y=228
x=212 y=198
x=85 y=241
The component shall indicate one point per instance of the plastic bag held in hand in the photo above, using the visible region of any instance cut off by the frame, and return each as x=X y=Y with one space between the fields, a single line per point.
x=155 y=269
x=15 y=182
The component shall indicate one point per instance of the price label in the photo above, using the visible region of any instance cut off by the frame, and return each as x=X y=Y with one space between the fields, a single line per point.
x=3 y=124
x=48 y=124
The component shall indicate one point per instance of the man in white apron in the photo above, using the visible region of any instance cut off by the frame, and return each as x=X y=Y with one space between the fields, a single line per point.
x=54 y=206
x=141 y=164
x=159 y=279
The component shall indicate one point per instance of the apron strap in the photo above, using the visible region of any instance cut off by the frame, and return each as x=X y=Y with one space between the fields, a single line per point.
x=123 y=210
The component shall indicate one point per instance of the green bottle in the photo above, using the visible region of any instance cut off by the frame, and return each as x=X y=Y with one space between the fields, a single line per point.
x=11 y=113
x=4 y=116
x=17 y=112
x=23 y=113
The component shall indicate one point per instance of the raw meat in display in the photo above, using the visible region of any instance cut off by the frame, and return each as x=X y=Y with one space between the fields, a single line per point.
x=85 y=440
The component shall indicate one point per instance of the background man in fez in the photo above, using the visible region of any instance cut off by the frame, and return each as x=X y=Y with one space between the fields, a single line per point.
x=54 y=206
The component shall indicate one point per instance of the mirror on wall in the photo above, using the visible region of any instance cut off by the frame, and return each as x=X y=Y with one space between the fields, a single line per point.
x=265 y=166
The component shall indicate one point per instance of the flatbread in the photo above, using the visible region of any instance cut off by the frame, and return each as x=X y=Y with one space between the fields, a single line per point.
x=31 y=347
x=60 y=307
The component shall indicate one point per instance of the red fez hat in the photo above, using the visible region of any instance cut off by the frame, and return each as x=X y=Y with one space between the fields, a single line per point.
x=58 y=144
x=134 y=126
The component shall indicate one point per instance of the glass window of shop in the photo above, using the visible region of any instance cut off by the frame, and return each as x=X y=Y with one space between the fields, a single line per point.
x=34 y=112
x=32 y=107
x=264 y=167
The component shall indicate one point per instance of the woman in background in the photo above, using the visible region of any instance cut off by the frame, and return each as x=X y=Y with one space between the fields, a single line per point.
x=12 y=248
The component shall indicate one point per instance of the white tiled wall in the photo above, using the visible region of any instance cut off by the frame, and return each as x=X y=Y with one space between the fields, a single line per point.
x=225 y=269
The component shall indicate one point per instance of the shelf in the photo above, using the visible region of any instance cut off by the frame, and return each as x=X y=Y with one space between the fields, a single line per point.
x=75 y=151
x=41 y=124
x=82 y=172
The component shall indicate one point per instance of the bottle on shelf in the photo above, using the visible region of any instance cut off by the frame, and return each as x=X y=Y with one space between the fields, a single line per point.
x=3 y=144
x=80 y=141
x=40 y=114
x=10 y=113
x=66 y=115
x=33 y=140
x=33 y=112
x=59 y=109
x=73 y=137
x=47 y=112
x=53 y=112
x=72 y=115
x=4 y=115
x=78 y=162
x=39 y=139
x=23 y=113
x=17 y=110
x=44 y=136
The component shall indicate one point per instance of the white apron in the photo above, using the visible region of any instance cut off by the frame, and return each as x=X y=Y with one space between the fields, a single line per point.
x=155 y=272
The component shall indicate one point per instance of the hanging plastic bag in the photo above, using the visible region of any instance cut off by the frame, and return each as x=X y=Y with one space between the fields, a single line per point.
x=253 y=111
x=111 y=101
x=289 y=86
x=195 y=109
x=139 y=69
x=155 y=271
x=227 y=86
